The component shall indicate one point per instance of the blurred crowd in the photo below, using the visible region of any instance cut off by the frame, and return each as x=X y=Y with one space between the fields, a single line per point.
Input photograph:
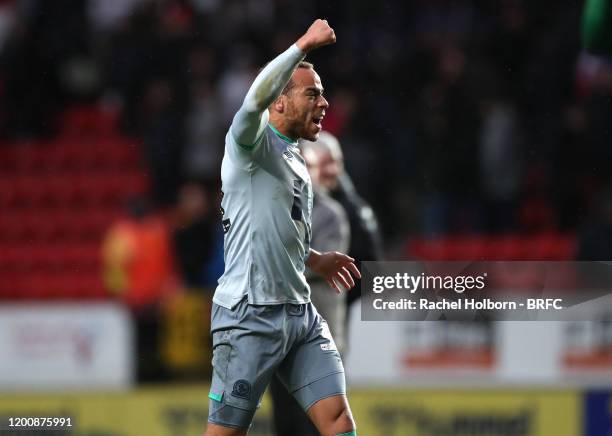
x=456 y=116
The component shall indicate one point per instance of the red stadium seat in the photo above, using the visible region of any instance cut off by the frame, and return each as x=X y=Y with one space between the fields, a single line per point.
x=58 y=199
x=91 y=120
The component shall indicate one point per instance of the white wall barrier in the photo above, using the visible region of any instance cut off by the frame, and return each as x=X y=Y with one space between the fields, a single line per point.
x=469 y=354
x=65 y=346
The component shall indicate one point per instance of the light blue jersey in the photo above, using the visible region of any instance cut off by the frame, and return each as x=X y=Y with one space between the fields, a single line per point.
x=266 y=207
x=266 y=214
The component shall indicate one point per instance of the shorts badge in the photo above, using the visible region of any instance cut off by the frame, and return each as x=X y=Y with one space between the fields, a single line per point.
x=242 y=389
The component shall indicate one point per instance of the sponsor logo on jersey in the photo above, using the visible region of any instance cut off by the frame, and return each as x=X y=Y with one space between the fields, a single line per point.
x=328 y=347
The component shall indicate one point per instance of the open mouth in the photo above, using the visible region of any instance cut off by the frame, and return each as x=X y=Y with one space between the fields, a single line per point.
x=317 y=121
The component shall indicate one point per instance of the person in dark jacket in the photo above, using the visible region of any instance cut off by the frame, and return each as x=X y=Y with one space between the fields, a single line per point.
x=330 y=232
x=365 y=239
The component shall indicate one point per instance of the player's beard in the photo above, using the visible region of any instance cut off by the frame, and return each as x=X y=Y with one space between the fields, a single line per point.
x=310 y=130
x=311 y=133
x=302 y=118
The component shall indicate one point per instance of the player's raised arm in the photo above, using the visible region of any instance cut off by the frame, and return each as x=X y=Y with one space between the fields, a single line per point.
x=252 y=117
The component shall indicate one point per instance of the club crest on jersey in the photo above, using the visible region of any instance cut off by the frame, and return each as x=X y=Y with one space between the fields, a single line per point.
x=287 y=156
x=226 y=225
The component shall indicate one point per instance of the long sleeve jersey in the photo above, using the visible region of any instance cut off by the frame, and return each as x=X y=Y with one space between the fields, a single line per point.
x=267 y=200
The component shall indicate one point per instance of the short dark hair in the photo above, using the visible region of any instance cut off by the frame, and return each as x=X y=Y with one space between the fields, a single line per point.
x=291 y=84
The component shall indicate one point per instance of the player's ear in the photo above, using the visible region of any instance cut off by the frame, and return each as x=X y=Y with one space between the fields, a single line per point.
x=279 y=103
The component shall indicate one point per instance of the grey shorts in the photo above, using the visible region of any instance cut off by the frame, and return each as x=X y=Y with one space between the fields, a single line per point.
x=252 y=343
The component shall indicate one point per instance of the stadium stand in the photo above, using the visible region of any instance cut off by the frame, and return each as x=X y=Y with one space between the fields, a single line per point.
x=57 y=199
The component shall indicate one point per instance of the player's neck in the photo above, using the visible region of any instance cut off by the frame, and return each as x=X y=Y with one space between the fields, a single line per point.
x=282 y=130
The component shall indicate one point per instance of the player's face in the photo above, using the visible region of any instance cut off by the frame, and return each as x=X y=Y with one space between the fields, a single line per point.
x=306 y=104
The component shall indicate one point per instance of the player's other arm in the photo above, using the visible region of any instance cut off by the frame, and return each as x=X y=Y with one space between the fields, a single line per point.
x=334 y=267
x=252 y=117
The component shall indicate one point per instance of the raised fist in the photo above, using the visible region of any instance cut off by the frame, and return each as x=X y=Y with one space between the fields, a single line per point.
x=318 y=34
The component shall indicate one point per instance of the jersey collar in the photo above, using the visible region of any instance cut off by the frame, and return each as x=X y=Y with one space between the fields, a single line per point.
x=283 y=137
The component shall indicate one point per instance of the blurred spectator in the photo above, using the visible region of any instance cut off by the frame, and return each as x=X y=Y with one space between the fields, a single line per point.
x=138 y=268
x=536 y=212
x=501 y=163
x=448 y=129
x=8 y=20
x=137 y=258
x=162 y=130
x=235 y=81
x=598 y=108
x=365 y=240
x=194 y=235
x=595 y=238
x=106 y=15
x=204 y=142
